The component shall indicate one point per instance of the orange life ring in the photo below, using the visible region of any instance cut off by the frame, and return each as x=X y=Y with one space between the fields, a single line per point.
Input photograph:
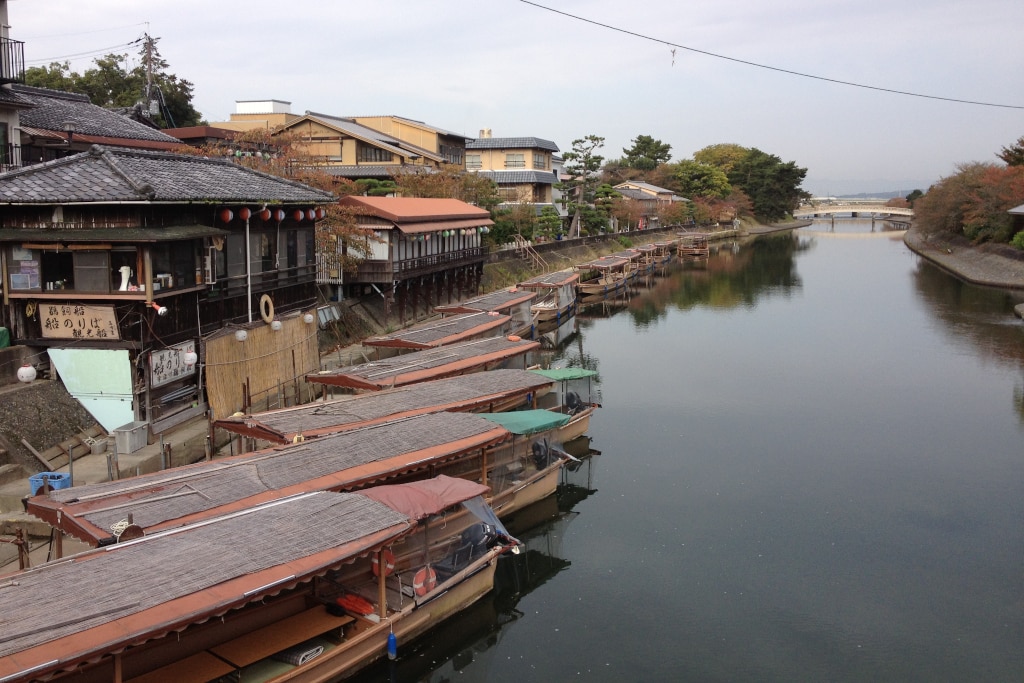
x=389 y=562
x=424 y=581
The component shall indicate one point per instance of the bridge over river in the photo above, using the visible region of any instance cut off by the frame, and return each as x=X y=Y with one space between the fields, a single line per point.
x=872 y=209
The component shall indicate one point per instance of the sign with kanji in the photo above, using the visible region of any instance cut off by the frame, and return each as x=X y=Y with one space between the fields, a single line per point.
x=78 y=321
x=167 y=365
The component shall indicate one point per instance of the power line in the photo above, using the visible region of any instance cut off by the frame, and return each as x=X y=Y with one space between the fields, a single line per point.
x=88 y=53
x=765 y=66
x=82 y=33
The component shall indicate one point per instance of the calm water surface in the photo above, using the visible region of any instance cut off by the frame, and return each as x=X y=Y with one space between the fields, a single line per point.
x=811 y=469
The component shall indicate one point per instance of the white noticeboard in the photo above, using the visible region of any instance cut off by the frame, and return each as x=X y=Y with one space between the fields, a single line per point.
x=168 y=364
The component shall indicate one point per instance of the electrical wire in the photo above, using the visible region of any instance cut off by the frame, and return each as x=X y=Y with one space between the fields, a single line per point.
x=80 y=55
x=765 y=66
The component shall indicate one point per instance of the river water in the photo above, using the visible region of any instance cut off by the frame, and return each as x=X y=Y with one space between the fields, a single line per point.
x=811 y=469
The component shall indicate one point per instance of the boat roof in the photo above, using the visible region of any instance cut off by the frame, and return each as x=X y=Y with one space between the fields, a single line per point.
x=420 y=366
x=105 y=600
x=443 y=332
x=631 y=254
x=559 y=278
x=604 y=263
x=428 y=497
x=561 y=374
x=345 y=461
x=461 y=393
x=525 y=422
x=502 y=300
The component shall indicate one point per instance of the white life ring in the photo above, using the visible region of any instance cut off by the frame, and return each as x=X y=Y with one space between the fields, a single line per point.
x=424 y=581
x=267 y=308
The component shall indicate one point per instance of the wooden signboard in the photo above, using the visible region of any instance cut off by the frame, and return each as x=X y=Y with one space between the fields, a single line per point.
x=168 y=364
x=78 y=321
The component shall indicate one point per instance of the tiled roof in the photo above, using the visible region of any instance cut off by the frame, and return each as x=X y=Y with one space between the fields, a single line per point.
x=415 y=209
x=357 y=130
x=356 y=172
x=130 y=175
x=512 y=143
x=53 y=109
x=13 y=99
x=518 y=177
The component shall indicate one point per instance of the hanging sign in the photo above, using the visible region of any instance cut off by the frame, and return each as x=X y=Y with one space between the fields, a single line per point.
x=167 y=365
x=78 y=321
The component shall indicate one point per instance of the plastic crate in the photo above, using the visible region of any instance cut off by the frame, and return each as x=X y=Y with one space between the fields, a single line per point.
x=56 y=480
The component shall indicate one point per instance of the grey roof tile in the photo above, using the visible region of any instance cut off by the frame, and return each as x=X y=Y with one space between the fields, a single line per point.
x=114 y=175
x=512 y=143
x=509 y=177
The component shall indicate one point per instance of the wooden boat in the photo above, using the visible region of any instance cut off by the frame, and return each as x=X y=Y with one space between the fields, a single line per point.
x=574 y=396
x=451 y=330
x=635 y=257
x=556 y=295
x=693 y=245
x=604 y=275
x=512 y=301
x=437 y=363
x=463 y=445
x=664 y=251
x=481 y=392
x=303 y=588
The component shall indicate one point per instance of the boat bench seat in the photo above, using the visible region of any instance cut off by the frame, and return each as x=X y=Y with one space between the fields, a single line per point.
x=264 y=642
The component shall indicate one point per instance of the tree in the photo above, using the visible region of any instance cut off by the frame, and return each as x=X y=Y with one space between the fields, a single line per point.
x=974 y=202
x=1014 y=154
x=773 y=186
x=723 y=156
x=112 y=83
x=913 y=197
x=449 y=181
x=694 y=179
x=646 y=153
x=582 y=165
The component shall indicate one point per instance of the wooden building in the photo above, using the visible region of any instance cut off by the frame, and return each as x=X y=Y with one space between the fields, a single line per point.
x=131 y=267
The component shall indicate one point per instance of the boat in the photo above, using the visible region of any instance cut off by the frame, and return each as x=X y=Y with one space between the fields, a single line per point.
x=480 y=392
x=511 y=301
x=693 y=245
x=556 y=296
x=430 y=364
x=573 y=396
x=446 y=331
x=603 y=275
x=302 y=588
x=464 y=445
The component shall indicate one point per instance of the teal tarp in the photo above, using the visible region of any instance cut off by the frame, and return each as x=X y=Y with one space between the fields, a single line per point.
x=5 y=338
x=527 y=421
x=562 y=374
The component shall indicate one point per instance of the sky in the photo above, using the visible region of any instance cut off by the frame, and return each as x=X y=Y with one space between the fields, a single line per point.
x=522 y=69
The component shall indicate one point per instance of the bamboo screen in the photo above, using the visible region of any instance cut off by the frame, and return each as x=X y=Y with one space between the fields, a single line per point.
x=263 y=372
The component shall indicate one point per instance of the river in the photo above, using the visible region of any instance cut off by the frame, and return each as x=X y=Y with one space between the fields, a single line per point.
x=811 y=468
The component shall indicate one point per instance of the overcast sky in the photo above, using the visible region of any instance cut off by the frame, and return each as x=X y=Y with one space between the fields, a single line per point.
x=522 y=70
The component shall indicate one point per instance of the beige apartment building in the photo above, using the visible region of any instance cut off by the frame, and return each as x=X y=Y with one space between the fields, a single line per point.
x=521 y=166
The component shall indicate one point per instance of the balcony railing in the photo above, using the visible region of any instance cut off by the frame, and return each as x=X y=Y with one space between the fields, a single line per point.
x=12 y=61
x=10 y=157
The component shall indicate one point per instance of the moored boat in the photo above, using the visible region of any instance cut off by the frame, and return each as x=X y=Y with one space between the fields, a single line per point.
x=556 y=296
x=603 y=275
x=302 y=588
x=512 y=301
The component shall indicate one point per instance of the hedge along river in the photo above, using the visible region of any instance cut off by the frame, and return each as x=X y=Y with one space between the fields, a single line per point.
x=811 y=469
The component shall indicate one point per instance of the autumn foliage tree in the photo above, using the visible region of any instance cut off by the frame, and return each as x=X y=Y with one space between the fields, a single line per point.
x=974 y=202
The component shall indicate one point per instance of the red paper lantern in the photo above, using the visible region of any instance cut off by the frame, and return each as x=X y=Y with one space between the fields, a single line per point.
x=299 y=214
x=320 y=213
x=244 y=213
x=226 y=215
x=265 y=215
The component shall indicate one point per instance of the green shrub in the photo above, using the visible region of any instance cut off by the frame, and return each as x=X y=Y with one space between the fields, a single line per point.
x=1018 y=240
x=625 y=242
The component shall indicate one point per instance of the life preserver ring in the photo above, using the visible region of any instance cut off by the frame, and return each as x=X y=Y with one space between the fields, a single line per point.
x=424 y=581
x=267 y=308
x=389 y=562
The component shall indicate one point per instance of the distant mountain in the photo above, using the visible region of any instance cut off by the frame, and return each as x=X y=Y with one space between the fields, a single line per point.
x=875 y=195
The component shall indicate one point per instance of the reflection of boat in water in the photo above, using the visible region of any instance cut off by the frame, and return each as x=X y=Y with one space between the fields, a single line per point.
x=467 y=643
x=554 y=335
x=603 y=306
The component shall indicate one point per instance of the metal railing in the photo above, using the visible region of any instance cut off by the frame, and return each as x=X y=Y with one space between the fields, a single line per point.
x=12 y=61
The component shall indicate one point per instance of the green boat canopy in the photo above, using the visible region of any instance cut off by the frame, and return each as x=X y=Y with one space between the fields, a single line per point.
x=527 y=421
x=562 y=374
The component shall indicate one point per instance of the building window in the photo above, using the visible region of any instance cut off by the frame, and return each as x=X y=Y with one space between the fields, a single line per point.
x=540 y=161
x=473 y=162
x=452 y=154
x=370 y=154
x=515 y=161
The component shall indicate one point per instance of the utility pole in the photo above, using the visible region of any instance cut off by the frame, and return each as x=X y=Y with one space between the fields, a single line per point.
x=149 y=69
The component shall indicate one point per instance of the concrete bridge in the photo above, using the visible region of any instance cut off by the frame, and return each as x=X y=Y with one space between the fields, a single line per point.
x=854 y=208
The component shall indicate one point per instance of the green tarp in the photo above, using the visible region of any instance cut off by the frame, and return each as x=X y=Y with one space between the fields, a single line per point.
x=562 y=374
x=527 y=421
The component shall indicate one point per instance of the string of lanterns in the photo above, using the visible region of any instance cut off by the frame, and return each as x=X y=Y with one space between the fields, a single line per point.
x=462 y=232
x=245 y=213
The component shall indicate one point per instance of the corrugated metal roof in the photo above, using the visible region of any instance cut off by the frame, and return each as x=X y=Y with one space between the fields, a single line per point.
x=442 y=332
x=405 y=210
x=421 y=366
x=337 y=462
x=466 y=392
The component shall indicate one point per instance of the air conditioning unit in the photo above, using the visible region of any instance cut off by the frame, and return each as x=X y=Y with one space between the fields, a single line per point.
x=210 y=266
